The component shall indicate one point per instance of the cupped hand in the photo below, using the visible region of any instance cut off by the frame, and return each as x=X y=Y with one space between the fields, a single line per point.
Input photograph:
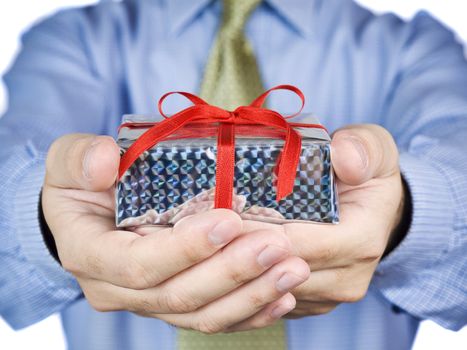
x=342 y=258
x=201 y=274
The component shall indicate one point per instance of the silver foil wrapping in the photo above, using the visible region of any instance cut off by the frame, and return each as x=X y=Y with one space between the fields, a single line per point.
x=177 y=178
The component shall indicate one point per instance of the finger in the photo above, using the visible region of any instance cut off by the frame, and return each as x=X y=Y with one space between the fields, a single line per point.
x=340 y=285
x=363 y=152
x=359 y=238
x=242 y=260
x=82 y=161
x=307 y=308
x=323 y=246
x=246 y=300
x=329 y=246
x=245 y=258
x=268 y=316
x=139 y=262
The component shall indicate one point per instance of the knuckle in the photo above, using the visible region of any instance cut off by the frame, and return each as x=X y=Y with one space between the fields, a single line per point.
x=237 y=276
x=191 y=252
x=209 y=326
x=256 y=301
x=236 y=267
x=236 y=272
x=142 y=306
x=179 y=303
x=135 y=276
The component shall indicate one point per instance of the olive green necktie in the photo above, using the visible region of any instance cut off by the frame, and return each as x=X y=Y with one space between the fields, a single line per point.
x=232 y=79
x=231 y=75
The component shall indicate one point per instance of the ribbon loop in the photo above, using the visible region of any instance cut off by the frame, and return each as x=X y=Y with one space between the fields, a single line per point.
x=193 y=98
x=259 y=101
x=253 y=115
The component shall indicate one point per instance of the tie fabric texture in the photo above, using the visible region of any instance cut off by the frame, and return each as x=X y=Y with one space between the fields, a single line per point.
x=231 y=75
x=232 y=79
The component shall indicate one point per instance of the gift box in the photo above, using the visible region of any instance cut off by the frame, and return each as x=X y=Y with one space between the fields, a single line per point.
x=272 y=172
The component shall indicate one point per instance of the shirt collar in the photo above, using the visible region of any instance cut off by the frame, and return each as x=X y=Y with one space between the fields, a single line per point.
x=297 y=13
x=181 y=12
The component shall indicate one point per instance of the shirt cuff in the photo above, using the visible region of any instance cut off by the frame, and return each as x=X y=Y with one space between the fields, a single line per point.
x=29 y=231
x=431 y=227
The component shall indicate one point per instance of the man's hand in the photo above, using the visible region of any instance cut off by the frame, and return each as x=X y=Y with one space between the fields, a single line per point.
x=342 y=258
x=201 y=274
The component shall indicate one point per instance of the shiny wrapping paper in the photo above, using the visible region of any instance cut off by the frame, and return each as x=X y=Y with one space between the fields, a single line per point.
x=176 y=178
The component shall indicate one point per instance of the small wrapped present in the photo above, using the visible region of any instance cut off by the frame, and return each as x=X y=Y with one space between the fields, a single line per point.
x=252 y=160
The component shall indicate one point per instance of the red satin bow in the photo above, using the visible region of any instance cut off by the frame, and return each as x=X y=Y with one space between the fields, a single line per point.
x=254 y=114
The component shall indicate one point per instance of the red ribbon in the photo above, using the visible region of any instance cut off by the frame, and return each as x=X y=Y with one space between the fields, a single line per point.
x=253 y=115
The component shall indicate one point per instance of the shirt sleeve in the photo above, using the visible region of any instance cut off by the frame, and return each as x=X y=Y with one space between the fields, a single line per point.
x=53 y=89
x=426 y=111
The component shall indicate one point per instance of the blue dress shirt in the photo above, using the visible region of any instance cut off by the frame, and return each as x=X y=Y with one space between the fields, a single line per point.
x=81 y=69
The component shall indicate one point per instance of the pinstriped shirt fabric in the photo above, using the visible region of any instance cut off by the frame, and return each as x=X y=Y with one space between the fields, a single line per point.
x=81 y=69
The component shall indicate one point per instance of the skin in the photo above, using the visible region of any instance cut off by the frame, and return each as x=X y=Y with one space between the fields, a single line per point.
x=213 y=272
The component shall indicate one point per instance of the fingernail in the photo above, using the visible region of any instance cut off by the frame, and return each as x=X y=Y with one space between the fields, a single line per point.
x=222 y=233
x=282 y=309
x=271 y=255
x=87 y=159
x=360 y=149
x=288 y=281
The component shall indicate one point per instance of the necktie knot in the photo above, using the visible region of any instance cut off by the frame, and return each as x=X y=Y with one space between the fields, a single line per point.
x=236 y=13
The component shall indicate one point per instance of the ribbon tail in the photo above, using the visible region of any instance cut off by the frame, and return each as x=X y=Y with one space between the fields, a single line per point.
x=288 y=163
x=225 y=167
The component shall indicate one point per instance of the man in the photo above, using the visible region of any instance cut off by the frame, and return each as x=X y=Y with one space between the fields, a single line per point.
x=397 y=256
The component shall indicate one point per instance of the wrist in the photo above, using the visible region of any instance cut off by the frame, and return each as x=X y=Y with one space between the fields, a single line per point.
x=403 y=219
x=46 y=232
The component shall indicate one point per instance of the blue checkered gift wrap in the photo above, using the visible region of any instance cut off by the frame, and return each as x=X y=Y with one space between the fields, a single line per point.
x=177 y=177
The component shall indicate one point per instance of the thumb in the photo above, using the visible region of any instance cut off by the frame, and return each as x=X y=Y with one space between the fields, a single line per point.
x=82 y=161
x=363 y=152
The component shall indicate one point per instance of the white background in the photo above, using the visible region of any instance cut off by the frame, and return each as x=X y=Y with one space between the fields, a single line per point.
x=17 y=15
